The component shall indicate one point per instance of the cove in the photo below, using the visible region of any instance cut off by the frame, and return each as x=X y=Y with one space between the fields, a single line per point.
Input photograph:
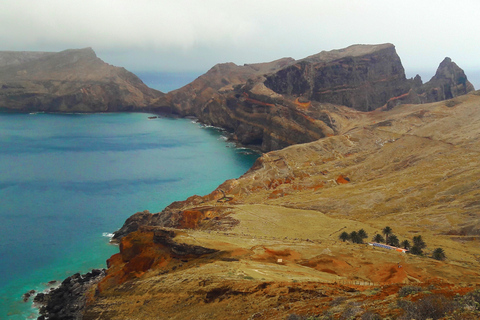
x=68 y=180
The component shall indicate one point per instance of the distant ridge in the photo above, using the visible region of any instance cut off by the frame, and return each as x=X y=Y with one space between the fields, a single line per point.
x=74 y=80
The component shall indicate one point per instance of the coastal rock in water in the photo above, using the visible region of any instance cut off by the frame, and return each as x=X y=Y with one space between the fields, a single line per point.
x=69 y=81
x=68 y=301
x=26 y=296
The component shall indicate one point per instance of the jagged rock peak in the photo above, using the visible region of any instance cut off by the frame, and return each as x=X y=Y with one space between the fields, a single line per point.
x=450 y=81
x=450 y=70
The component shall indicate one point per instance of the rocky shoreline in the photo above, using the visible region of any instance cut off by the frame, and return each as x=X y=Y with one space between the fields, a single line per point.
x=68 y=301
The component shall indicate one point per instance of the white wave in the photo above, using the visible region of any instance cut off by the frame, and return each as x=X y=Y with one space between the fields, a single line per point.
x=108 y=235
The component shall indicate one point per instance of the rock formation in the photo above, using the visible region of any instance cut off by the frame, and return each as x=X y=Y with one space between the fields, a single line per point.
x=67 y=302
x=285 y=102
x=69 y=81
x=448 y=82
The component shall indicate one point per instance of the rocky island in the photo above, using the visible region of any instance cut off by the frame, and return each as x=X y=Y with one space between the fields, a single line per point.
x=350 y=144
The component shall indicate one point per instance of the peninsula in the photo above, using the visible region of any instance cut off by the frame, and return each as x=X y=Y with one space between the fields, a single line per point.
x=350 y=144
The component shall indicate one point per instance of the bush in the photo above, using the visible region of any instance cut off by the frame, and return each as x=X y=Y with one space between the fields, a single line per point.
x=350 y=312
x=370 y=316
x=431 y=307
x=470 y=301
x=438 y=254
x=337 y=301
x=408 y=290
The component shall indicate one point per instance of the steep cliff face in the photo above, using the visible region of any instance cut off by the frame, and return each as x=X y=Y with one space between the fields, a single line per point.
x=285 y=102
x=360 y=77
x=69 y=81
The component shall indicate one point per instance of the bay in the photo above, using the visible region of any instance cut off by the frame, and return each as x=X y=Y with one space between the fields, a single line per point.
x=67 y=181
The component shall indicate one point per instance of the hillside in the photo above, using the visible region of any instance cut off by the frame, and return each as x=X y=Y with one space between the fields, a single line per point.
x=393 y=153
x=413 y=168
x=69 y=81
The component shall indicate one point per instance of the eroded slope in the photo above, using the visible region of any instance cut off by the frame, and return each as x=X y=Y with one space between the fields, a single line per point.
x=275 y=230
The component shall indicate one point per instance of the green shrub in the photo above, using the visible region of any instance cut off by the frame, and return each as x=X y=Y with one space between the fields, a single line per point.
x=439 y=254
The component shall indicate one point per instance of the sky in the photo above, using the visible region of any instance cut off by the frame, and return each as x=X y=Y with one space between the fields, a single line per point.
x=194 y=35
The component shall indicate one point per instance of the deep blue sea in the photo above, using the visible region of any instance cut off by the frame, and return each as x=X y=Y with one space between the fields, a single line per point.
x=66 y=181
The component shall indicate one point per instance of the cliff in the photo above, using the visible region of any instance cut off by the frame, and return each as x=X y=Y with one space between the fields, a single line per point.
x=266 y=245
x=69 y=81
x=273 y=105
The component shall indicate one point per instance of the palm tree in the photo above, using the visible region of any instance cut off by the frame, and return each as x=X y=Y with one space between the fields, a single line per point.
x=344 y=236
x=355 y=238
x=362 y=234
x=378 y=238
x=393 y=240
x=438 y=254
x=418 y=242
x=416 y=250
x=406 y=244
x=387 y=231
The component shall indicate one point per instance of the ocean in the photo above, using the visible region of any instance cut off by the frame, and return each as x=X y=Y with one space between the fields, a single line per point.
x=67 y=181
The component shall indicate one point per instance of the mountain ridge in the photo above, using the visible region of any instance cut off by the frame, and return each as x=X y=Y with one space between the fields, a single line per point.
x=74 y=80
x=294 y=101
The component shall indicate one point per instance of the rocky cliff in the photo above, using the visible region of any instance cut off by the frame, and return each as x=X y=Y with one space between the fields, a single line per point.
x=69 y=81
x=274 y=105
x=266 y=245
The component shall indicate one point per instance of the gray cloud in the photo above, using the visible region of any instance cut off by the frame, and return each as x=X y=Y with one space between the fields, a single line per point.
x=194 y=35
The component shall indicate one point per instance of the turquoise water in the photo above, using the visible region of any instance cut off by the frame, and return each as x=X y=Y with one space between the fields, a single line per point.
x=65 y=180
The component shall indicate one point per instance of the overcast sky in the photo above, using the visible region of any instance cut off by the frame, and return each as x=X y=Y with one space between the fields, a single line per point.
x=191 y=35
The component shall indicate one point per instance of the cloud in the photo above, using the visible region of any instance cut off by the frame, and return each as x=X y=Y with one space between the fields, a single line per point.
x=194 y=35
x=103 y=24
